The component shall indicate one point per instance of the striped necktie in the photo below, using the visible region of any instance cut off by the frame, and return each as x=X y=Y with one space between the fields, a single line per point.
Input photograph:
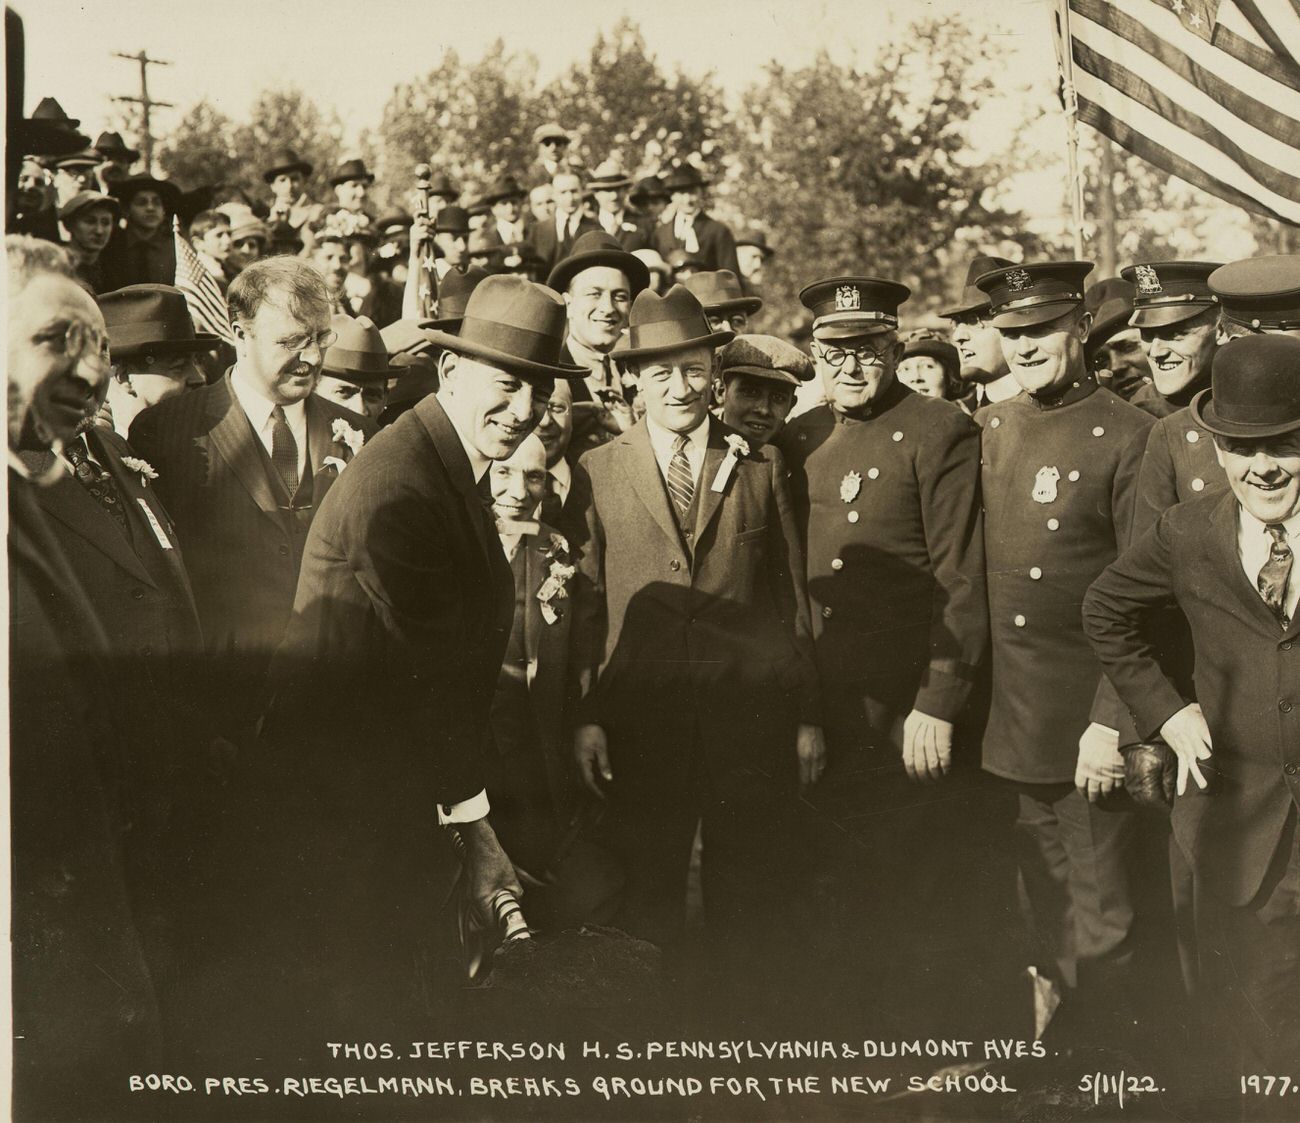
x=1275 y=572
x=681 y=483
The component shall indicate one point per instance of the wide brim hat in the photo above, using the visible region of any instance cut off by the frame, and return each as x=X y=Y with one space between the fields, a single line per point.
x=606 y=177
x=515 y=324
x=660 y=325
x=972 y=299
x=720 y=292
x=1254 y=390
x=151 y=319
x=350 y=170
x=453 y=298
x=595 y=248
x=358 y=355
x=112 y=147
x=49 y=131
x=126 y=190
x=648 y=187
x=285 y=160
x=82 y=158
x=1169 y=292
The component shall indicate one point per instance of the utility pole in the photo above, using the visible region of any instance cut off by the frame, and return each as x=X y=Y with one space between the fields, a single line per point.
x=145 y=102
x=1107 y=213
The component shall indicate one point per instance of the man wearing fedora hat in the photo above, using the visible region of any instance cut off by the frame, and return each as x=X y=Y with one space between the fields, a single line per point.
x=609 y=184
x=726 y=305
x=1060 y=465
x=142 y=250
x=117 y=157
x=699 y=698
x=89 y=218
x=351 y=182
x=1227 y=561
x=599 y=281
x=356 y=370
x=286 y=175
x=979 y=346
x=692 y=229
x=406 y=600
x=75 y=172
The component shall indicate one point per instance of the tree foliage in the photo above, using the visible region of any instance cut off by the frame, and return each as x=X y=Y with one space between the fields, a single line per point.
x=288 y=118
x=201 y=148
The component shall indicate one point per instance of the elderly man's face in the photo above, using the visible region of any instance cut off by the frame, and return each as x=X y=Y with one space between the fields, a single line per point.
x=91 y=229
x=159 y=377
x=756 y=407
x=369 y=401
x=495 y=408
x=555 y=429
x=675 y=388
x=146 y=211
x=598 y=301
x=518 y=484
x=857 y=370
x=541 y=200
x=506 y=210
x=568 y=193
x=351 y=194
x=286 y=187
x=333 y=261
x=280 y=352
x=979 y=348
x=1181 y=353
x=1044 y=357
x=1264 y=474
x=58 y=360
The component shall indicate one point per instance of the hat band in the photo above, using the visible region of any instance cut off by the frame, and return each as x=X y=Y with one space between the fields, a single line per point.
x=1206 y=298
x=150 y=331
x=864 y=314
x=523 y=343
x=363 y=362
x=1284 y=321
x=667 y=333
x=1041 y=298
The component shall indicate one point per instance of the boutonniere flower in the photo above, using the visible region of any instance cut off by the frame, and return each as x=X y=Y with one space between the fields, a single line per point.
x=143 y=467
x=737 y=447
x=559 y=573
x=352 y=438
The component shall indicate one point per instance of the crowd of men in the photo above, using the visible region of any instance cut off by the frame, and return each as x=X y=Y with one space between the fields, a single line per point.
x=590 y=575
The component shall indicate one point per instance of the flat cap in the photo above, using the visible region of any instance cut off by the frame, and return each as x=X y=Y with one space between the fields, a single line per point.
x=1034 y=293
x=84 y=200
x=1260 y=292
x=843 y=307
x=765 y=356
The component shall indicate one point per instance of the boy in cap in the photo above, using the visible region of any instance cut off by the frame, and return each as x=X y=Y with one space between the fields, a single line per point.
x=89 y=218
x=1060 y=463
x=757 y=376
x=698 y=690
x=1227 y=561
x=143 y=251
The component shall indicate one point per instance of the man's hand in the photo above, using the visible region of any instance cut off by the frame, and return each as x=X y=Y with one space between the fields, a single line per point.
x=488 y=868
x=1100 y=770
x=927 y=746
x=1188 y=735
x=810 y=745
x=591 y=751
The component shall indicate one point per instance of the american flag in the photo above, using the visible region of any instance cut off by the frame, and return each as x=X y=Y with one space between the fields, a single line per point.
x=1208 y=90
x=207 y=306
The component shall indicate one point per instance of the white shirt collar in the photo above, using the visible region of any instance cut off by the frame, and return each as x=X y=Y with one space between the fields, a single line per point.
x=257 y=406
x=478 y=463
x=1251 y=525
x=662 y=440
x=563 y=477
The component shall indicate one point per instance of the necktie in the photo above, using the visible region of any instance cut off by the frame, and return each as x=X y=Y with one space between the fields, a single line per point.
x=552 y=508
x=99 y=483
x=681 y=484
x=1273 y=576
x=284 y=451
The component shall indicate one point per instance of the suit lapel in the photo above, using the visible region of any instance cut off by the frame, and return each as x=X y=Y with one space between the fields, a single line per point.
x=233 y=438
x=1224 y=528
x=643 y=472
x=447 y=443
x=320 y=439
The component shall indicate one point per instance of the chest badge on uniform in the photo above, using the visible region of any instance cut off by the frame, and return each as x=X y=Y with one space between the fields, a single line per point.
x=850 y=485
x=1045 y=485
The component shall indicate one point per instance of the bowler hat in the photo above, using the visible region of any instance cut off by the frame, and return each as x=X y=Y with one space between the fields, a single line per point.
x=765 y=356
x=1254 y=388
x=973 y=299
x=128 y=189
x=659 y=325
x=84 y=200
x=394 y=225
x=1110 y=301
x=608 y=176
x=1021 y=296
x=440 y=184
x=758 y=240
x=452 y=220
x=350 y=170
x=684 y=177
x=648 y=187
x=1169 y=292
x=551 y=130
x=844 y=307
x=1260 y=292
x=112 y=147
x=283 y=161
x=503 y=187
x=453 y=295
x=150 y=319
x=594 y=248
x=358 y=354
x=514 y=324
x=720 y=292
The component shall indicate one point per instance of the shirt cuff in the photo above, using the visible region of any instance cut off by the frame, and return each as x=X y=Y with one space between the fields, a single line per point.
x=466 y=811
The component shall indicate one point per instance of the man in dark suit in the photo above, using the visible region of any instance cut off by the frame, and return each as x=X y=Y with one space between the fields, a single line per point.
x=1227 y=561
x=610 y=184
x=692 y=643
x=405 y=600
x=553 y=241
x=692 y=230
x=242 y=468
x=568 y=487
x=84 y=1008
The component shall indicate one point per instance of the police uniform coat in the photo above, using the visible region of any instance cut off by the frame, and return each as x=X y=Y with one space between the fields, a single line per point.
x=1059 y=482
x=895 y=554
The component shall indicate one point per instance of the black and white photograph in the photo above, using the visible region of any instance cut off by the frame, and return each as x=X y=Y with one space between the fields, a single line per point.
x=653 y=560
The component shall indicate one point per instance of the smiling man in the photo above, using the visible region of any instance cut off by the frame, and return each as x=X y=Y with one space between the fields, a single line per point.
x=1227 y=561
x=1059 y=466
x=979 y=346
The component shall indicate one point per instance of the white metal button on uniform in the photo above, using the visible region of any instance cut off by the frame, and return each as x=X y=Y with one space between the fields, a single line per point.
x=837 y=564
x=1074 y=476
x=1020 y=621
x=1035 y=573
x=1193 y=436
x=898 y=436
x=1053 y=524
x=826 y=612
x=1198 y=484
x=995 y=423
x=853 y=516
x=873 y=473
x=1099 y=432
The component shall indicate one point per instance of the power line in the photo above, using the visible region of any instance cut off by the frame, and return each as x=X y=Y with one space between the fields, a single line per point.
x=144 y=101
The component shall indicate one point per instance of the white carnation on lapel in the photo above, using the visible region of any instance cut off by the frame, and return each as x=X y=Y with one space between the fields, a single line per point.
x=353 y=438
x=143 y=467
x=737 y=447
x=556 y=586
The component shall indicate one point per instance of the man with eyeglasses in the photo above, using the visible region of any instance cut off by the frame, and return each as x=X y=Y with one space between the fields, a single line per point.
x=979 y=346
x=886 y=486
x=243 y=465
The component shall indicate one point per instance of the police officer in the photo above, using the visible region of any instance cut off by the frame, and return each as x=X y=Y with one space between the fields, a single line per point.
x=1258 y=295
x=1060 y=464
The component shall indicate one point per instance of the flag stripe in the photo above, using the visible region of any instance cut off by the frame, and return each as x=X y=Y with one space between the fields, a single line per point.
x=1210 y=77
x=1275 y=165
x=1277 y=24
x=1192 y=149
x=207 y=306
